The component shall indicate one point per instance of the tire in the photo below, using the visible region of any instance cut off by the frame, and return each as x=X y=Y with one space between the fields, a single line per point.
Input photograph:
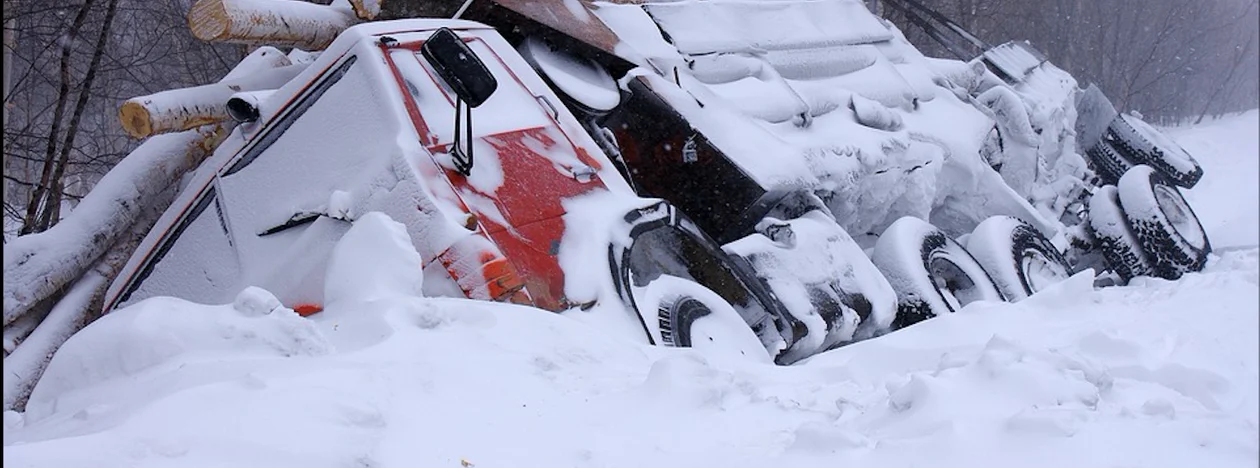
x=666 y=257
x=681 y=313
x=931 y=273
x=675 y=316
x=1170 y=234
x=1139 y=142
x=1017 y=257
x=1119 y=246
x=1107 y=163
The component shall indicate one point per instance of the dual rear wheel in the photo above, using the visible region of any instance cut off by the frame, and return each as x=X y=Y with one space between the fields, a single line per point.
x=1005 y=259
x=1142 y=226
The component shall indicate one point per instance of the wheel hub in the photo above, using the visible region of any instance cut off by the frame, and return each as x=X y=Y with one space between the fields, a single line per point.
x=1179 y=215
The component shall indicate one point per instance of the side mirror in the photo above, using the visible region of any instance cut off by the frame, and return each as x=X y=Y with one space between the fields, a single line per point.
x=459 y=67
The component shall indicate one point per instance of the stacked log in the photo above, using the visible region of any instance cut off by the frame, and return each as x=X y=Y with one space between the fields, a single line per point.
x=182 y=109
x=278 y=23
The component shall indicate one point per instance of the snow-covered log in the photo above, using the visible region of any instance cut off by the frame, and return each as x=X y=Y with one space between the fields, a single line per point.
x=186 y=108
x=262 y=58
x=21 y=328
x=38 y=265
x=29 y=355
x=281 y=23
x=24 y=365
x=399 y=9
x=366 y=10
x=570 y=17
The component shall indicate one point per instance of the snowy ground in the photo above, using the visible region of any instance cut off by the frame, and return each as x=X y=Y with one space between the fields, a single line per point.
x=1227 y=200
x=1156 y=374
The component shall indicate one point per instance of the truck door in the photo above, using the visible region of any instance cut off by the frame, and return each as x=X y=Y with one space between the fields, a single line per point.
x=524 y=164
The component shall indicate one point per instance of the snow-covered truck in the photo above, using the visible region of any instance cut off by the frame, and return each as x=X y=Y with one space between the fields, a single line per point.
x=824 y=180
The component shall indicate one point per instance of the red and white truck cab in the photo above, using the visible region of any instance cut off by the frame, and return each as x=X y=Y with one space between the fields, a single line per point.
x=514 y=208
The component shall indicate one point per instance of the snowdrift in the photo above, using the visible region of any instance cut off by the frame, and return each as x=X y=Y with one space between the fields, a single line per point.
x=1140 y=375
x=1153 y=374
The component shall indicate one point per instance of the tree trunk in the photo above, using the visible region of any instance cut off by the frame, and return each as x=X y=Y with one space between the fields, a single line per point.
x=39 y=194
x=10 y=44
x=187 y=108
x=38 y=265
x=280 y=23
x=401 y=9
x=52 y=213
x=81 y=305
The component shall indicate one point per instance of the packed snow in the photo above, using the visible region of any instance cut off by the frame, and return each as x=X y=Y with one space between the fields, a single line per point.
x=1069 y=377
x=1154 y=374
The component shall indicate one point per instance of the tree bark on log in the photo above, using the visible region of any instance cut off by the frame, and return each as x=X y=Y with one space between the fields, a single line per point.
x=402 y=9
x=26 y=363
x=280 y=23
x=38 y=265
x=83 y=302
x=182 y=109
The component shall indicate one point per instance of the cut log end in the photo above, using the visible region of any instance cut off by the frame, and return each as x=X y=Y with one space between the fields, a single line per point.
x=366 y=10
x=141 y=121
x=279 y=23
x=135 y=119
x=208 y=20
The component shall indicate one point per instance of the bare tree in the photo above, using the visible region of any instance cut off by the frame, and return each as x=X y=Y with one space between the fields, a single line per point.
x=69 y=64
x=1171 y=59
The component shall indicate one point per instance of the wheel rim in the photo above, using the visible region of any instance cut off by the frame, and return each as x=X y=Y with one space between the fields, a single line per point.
x=1179 y=215
x=1039 y=271
x=954 y=285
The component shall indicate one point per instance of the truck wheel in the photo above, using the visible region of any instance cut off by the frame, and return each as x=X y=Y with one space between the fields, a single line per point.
x=1107 y=163
x=678 y=312
x=687 y=315
x=931 y=273
x=1169 y=232
x=675 y=316
x=1121 y=249
x=1139 y=142
x=685 y=291
x=1017 y=257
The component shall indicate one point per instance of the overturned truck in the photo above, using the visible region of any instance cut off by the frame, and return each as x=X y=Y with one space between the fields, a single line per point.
x=777 y=178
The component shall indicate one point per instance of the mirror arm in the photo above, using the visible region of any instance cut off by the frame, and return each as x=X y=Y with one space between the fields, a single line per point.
x=463 y=159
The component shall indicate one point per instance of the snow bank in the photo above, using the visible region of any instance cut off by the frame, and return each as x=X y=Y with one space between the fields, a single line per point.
x=1227 y=200
x=373 y=260
x=1069 y=377
x=164 y=334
